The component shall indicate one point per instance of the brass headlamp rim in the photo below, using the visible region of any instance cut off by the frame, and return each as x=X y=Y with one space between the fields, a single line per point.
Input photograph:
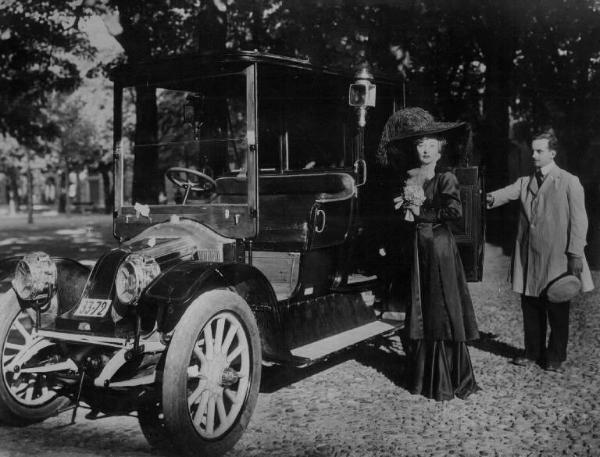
x=35 y=278
x=145 y=269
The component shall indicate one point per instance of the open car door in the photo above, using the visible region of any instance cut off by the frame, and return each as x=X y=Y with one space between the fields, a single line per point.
x=469 y=231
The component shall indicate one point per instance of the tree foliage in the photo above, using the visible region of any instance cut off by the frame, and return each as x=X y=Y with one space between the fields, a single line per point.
x=38 y=44
x=484 y=61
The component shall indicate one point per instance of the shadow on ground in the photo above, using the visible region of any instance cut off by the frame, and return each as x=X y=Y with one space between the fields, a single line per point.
x=388 y=360
x=384 y=355
x=488 y=343
x=277 y=377
x=77 y=237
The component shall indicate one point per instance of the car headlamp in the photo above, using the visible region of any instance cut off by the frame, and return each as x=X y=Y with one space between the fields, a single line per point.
x=35 y=277
x=133 y=275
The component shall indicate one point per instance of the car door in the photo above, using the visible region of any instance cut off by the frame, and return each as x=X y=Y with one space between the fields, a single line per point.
x=332 y=212
x=469 y=231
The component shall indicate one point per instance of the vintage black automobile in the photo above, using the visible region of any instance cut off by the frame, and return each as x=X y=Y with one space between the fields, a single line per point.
x=253 y=240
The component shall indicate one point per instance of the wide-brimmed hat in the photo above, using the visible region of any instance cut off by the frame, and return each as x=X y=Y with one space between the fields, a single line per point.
x=563 y=288
x=408 y=123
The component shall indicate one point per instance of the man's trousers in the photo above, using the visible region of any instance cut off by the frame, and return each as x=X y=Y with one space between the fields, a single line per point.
x=538 y=312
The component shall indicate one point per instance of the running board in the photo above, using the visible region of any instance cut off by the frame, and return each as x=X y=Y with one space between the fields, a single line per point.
x=335 y=343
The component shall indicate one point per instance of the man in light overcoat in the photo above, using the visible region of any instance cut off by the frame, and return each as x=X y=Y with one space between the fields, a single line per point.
x=550 y=239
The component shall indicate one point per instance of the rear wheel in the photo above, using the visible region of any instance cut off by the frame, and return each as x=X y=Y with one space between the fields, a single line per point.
x=25 y=398
x=212 y=374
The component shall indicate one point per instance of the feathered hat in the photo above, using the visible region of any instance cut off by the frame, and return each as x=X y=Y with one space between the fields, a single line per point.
x=407 y=123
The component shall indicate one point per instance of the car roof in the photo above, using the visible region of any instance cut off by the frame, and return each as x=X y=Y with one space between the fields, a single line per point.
x=187 y=64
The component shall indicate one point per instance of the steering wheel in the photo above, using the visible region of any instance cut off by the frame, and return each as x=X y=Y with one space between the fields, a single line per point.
x=203 y=183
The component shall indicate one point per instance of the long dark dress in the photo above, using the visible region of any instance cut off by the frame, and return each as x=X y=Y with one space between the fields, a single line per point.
x=441 y=318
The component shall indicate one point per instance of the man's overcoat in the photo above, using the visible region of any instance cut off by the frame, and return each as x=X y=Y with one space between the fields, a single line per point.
x=552 y=223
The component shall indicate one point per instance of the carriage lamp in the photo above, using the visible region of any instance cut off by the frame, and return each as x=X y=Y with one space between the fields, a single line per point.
x=133 y=276
x=362 y=94
x=35 y=277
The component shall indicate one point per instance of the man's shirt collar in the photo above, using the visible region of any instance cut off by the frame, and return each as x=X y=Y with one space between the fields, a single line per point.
x=547 y=168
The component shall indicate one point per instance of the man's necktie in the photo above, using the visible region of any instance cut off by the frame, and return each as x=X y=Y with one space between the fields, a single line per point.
x=539 y=177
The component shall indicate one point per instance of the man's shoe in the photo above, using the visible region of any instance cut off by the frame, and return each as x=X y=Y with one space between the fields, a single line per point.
x=523 y=361
x=555 y=367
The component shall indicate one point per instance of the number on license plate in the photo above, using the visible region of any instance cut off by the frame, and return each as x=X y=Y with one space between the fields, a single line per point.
x=92 y=307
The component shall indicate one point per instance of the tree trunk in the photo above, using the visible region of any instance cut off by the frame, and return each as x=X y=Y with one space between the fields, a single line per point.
x=212 y=26
x=498 y=47
x=67 y=185
x=29 y=189
x=57 y=192
x=135 y=41
x=13 y=199
x=498 y=61
x=108 y=188
x=146 y=181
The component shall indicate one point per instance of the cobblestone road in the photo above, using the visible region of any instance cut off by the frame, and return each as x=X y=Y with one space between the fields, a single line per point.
x=356 y=405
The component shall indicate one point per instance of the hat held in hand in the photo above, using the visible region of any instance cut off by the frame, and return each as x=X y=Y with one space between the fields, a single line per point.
x=563 y=288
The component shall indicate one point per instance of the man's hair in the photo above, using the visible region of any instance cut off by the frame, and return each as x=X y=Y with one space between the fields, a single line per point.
x=549 y=135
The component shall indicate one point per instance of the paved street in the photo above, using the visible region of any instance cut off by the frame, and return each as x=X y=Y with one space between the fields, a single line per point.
x=356 y=405
x=82 y=237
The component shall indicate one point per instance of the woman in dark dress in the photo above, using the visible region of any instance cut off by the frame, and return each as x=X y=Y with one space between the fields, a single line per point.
x=441 y=318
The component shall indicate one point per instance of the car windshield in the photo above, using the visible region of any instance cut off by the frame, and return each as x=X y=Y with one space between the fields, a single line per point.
x=199 y=125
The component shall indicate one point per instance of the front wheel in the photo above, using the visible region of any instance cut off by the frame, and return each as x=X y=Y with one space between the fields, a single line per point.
x=212 y=374
x=152 y=423
x=25 y=398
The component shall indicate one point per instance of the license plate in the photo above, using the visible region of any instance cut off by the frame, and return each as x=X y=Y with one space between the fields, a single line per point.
x=92 y=307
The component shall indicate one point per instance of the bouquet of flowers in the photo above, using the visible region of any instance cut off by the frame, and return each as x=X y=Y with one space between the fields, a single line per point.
x=412 y=195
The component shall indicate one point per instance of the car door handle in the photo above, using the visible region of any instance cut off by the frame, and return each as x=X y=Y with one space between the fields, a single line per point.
x=360 y=172
x=320 y=217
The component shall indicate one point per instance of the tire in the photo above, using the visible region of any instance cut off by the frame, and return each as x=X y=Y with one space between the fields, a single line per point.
x=151 y=419
x=220 y=386
x=29 y=398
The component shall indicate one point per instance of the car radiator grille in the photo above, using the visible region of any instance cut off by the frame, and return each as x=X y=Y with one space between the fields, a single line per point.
x=210 y=255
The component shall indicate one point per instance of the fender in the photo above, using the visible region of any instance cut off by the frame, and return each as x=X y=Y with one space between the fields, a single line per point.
x=71 y=279
x=7 y=269
x=171 y=294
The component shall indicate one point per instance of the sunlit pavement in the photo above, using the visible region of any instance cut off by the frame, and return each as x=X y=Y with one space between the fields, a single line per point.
x=81 y=237
x=356 y=405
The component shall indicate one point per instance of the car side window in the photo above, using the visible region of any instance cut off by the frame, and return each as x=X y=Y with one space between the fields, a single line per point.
x=304 y=123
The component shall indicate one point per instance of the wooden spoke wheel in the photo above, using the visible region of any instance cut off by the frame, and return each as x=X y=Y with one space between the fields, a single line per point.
x=24 y=397
x=212 y=374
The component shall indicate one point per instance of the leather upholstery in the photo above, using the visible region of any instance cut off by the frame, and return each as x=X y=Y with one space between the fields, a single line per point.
x=330 y=185
x=285 y=203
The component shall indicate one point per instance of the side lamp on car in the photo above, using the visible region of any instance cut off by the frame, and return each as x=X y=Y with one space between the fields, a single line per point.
x=361 y=96
x=35 y=278
x=362 y=93
x=133 y=276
